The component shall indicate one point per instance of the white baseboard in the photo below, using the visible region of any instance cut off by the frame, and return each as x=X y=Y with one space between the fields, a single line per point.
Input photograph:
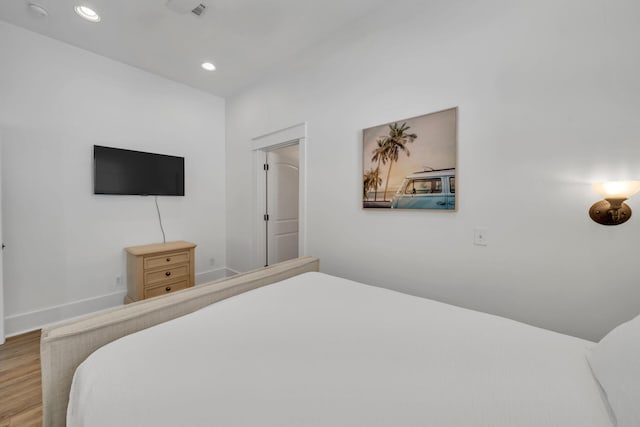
x=231 y=272
x=211 y=275
x=26 y=322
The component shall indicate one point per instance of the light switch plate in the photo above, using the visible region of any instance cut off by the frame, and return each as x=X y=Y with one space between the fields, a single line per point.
x=480 y=236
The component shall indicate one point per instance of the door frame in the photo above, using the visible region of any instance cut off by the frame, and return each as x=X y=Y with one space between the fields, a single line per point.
x=260 y=145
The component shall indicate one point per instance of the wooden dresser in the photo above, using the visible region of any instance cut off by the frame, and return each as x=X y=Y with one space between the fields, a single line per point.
x=159 y=269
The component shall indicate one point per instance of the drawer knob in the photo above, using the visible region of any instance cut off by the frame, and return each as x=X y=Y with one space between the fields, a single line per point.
x=168 y=273
x=168 y=259
x=168 y=289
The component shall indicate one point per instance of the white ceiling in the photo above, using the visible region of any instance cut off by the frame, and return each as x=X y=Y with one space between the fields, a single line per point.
x=243 y=38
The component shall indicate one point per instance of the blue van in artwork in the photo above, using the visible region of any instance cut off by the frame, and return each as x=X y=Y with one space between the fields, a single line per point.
x=433 y=189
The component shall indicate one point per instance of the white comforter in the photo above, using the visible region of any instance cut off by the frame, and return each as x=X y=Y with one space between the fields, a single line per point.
x=316 y=350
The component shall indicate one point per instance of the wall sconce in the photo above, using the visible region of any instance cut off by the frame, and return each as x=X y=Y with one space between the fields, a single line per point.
x=612 y=210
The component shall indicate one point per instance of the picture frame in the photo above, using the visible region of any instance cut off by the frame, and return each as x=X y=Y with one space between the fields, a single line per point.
x=411 y=163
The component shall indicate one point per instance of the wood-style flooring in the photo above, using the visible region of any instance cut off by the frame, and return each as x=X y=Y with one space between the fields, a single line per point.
x=20 y=385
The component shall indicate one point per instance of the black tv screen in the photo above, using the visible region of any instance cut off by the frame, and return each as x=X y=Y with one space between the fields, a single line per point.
x=118 y=171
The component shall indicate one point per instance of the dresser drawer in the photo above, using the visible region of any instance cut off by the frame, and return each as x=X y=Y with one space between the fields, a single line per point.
x=170 y=259
x=166 y=289
x=159 y=268
x=168 y=274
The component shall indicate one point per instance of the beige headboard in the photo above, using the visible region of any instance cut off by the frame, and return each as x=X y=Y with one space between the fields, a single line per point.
x=65 y=345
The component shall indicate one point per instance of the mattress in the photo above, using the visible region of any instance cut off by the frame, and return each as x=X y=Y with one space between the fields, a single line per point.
x=317 y=350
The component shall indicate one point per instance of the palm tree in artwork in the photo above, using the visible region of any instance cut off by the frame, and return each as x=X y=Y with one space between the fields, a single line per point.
x=395 y=143
x=379 y=156
x=372 y=181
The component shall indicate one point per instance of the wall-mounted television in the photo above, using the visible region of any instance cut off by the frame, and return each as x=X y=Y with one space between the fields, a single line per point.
x=128 y=172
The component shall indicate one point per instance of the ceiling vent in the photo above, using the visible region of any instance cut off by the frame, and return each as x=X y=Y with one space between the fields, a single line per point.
x=186 y=6
x=199 y=9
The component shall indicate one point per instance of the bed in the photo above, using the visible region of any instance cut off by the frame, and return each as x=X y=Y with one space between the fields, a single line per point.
x=316 y=350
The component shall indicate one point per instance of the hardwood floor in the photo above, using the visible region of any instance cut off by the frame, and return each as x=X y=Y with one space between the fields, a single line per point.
x=20 y=386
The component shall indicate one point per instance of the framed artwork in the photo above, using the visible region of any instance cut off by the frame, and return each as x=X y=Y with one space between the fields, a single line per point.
x=411 y=163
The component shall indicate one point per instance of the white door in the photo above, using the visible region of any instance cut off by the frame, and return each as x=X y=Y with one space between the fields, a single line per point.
x=281 y=220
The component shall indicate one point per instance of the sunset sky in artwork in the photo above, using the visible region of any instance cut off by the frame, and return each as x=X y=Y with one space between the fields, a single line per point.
x=434 y=147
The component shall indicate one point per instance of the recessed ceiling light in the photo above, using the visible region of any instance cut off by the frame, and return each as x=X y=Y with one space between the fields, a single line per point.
x=208 y=66
x=87 y=13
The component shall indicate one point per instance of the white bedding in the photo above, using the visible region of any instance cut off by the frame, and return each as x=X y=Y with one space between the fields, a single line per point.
x=317 y=350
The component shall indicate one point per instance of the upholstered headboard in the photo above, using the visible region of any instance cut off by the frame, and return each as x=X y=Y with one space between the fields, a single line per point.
x=65 y=345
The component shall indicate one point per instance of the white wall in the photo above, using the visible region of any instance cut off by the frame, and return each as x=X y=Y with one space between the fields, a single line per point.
x=548 y=103
x=65 y=244
x=1 y=267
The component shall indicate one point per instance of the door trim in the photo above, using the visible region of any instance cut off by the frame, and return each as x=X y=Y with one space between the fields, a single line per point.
x=279 y=138
x=260 y=145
